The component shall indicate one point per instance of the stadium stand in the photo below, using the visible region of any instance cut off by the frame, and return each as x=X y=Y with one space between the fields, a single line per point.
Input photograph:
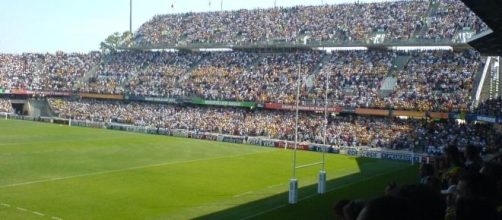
x=224 y=76
x=402 y=20
x=160 y=74
x=48 y=72
x=492 y=107
x=422 y=83
x=348 y=130
x=439 y=81
x=449 y=18
x=436 y=81
x=355 y=78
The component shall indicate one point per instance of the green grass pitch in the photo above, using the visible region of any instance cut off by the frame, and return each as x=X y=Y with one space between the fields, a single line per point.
x=60 y=172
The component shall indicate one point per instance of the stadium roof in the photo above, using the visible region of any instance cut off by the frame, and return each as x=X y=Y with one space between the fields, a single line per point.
x=489 y=43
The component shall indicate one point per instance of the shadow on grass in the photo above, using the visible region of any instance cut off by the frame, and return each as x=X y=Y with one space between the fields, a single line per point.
x=369 y=182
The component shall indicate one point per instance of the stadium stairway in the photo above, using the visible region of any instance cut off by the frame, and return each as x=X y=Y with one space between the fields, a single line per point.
x=388 y=86
x=194 y=66
x=485 y=88
x=39 y=65
x=499 y=73
x=257 y=61
x=39 y=108
x=490 y=86
x=495 y=80
x=398 y=64
x=477 y=81
x=92 y=72
x=433 y=8
x=311 y=78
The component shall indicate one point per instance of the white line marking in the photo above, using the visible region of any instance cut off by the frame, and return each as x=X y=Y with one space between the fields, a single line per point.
x=243 y=194
x=125 y=169
x=60 y=141
x=38 y=213
x=26 y=210
x=329 y=190
x=308 y=165
x=21 y=209
x=276 y=185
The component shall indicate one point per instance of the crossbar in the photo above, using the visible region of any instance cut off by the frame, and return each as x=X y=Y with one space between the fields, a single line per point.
x=308 y=165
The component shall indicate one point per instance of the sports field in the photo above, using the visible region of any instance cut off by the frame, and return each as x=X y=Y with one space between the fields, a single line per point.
x=60 y=172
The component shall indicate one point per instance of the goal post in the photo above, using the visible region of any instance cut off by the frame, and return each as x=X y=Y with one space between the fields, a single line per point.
x=293 y=191
x=321 y=185
x=321 y=178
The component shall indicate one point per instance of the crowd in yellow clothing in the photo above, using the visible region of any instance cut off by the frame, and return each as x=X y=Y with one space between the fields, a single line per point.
x=348 y=130
x=429 y=81
x=398 y=20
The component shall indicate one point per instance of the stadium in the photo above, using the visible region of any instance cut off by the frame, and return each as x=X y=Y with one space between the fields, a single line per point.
x=381 y=110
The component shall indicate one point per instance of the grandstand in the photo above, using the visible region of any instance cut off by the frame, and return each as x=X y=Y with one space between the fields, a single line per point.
x=388 y=84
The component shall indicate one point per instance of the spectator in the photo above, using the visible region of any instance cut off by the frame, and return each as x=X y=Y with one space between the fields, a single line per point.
x=45 y=72
x=473 y=208
x=386 y=207
x=5 y=106
x=343 y=130
x=402 y=20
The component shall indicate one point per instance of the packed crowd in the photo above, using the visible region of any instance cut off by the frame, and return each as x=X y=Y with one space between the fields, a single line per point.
x=436 y=137
x=434 y=80
x=355 y=77
x=49 y=72
x=457 y=186
x=347 y=130
x=274 y=78
x=450 y=18
x=431 y=81
x=113 y=72
x=142 y=73
x=490 y=107
x=399 y=20
x=439 y=80
x=5 y=106
x=224 y=76
x=161 y=74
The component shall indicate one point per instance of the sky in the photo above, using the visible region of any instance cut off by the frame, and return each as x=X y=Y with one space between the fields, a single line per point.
x=80 y=25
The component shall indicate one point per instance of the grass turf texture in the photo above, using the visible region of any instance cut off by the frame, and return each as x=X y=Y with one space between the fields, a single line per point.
x=59 y=172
